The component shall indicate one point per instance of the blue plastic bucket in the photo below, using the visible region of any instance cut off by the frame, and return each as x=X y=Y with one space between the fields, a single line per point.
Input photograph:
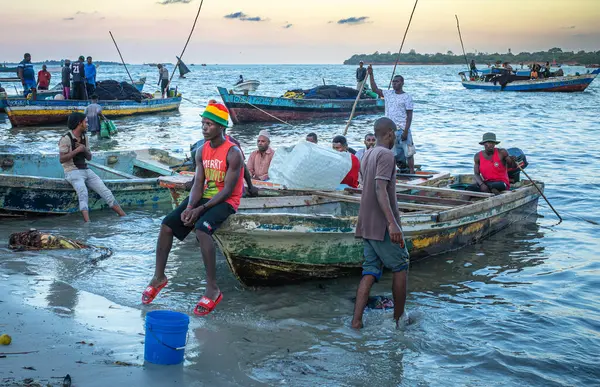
x=166 y=336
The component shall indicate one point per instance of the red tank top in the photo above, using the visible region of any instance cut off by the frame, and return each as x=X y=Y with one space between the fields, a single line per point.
x=494 y=169
x=214 y=161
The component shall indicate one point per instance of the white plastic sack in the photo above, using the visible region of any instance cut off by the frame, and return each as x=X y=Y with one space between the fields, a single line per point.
x=309 y=166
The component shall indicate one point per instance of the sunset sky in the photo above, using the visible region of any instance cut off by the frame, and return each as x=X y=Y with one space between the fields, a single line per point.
x=286 y=31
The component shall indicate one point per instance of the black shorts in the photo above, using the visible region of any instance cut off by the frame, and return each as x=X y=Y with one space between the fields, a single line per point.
x=163 y=84
x=497 y=185
x=208 y=222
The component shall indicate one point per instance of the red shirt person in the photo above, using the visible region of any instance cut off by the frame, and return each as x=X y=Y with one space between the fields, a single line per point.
x=43 y=78
x=490 y=171
x=340 y=144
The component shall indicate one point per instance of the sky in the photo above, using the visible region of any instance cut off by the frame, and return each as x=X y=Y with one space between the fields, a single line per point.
x=288 y=31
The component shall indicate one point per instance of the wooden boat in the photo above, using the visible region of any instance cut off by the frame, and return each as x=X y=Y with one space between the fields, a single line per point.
x=50 y=94
x=570 y=83
x=22 y=112
x=35 y=184
x=592 y=66
x=279 y=240
x=254 y=108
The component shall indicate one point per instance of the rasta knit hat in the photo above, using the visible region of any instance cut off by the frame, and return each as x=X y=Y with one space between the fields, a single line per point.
x=217 y=112
x=75 y=119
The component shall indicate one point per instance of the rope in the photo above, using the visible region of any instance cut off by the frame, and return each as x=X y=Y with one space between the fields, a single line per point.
x=402 y=45
x=186 y=43
x=122 y=60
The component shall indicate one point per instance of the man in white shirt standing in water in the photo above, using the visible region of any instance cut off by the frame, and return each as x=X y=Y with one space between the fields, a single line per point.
x=398 y=108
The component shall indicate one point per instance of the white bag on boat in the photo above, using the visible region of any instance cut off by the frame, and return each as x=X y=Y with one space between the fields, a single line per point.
x=309 y=166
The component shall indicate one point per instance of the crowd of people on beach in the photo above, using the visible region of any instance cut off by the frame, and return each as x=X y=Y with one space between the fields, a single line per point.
x=218 y=187
x=78 y=79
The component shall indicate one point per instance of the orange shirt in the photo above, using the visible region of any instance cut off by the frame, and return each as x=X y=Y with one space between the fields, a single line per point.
x=214 y=161
x=258 y=164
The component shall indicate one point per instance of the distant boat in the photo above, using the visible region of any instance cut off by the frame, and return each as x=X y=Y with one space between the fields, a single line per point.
x=203 y=64
x=183 y=69
x=592 y=66
x=569 y=83
x=4 y=69
x=248 y=86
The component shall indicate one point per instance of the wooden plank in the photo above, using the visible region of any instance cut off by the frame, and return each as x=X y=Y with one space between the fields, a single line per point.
x=403 y=187
x=401 y=205
x=420 y=198
x=111 y=170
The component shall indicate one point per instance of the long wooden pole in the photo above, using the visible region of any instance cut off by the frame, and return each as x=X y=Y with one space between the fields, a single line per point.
x=402 y=45
x=540 y=191
x=122 y=60
x=362 y=86
x=186 y=43
x=461 y=42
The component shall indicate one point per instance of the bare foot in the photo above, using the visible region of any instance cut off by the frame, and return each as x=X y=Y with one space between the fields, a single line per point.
x=357 y=324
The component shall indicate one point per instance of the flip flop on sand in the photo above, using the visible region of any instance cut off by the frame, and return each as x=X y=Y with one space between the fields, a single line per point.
x=206 y=305
x=151 y=292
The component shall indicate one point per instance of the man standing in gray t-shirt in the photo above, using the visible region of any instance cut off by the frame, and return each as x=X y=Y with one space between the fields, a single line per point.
x=379 y=224
x=93 y=112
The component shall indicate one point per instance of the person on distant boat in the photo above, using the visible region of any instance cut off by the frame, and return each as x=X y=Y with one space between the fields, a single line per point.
x=43 y=78
x=240 y=80
x=379 y=225
x=490 y=171
x=399 y=108
x=340 y=144
x=90 y=76
x=312 y=137
x=215 y=195
x=163 y=80
x=534 y=73
x=508 y=67
x=260 y=160
x=547 y=72
x=369 y=143
x=361 y=74
x=66 y=79
x=74 y=151
x=473 y=69
x=26 y=74
x=78 y=71
x=93 y=112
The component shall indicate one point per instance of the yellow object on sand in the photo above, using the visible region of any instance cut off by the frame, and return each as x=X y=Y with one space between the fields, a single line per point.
x=5 y=339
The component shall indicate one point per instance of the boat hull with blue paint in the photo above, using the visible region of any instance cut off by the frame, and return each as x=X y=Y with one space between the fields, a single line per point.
x=571 y=83
x=22 y=112
x=35 y=183
x=254 y=108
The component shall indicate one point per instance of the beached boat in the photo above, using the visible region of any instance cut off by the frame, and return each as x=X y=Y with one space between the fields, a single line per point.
x=35 y=184
x=569 y=83
x=254 y=108
x=22 y=112
x=279 y=240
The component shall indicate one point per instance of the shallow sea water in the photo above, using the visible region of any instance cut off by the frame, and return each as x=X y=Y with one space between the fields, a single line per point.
x=518 y=308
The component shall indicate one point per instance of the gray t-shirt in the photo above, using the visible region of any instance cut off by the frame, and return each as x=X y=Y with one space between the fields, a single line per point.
x=378 y=163
x=92 y=112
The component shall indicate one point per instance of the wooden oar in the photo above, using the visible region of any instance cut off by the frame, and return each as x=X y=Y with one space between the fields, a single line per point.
x=540 y=191
x=362 y=86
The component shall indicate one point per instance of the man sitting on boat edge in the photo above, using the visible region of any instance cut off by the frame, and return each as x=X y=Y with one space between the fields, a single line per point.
x=490 y=171
x=340 y=144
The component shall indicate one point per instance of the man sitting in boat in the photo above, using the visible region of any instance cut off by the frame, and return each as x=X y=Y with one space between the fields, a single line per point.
x=369 y=143
x=74 y=151
x=215 y=196
x=490 y=172
x=260 y=160
x=312 y=137
x=340 y=144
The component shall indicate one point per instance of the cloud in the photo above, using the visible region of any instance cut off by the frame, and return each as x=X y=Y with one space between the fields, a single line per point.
x=243 y=17
x=354 y=20
x=568 y=28
x=167 y=2
x=287 y=26
x=68 y=18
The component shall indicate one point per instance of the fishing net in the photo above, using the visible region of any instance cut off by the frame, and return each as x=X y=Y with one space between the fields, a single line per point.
x=113 y=90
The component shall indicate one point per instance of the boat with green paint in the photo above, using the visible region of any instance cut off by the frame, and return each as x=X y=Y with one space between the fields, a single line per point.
x=35 y=183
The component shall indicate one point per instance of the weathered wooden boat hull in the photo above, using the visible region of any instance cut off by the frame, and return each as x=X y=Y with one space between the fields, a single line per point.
x=265 y=249
x=559 y=84
x=22 y=112
x=245 y=109
x=23 y=190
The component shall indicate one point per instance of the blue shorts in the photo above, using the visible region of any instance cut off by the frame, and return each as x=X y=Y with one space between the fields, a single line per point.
x=383 y=253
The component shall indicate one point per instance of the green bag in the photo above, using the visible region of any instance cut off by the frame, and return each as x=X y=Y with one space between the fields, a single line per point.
x=104 y=129
x=112 y=128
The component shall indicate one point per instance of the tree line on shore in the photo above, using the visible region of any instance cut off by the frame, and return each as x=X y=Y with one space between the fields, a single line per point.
x=554 y=54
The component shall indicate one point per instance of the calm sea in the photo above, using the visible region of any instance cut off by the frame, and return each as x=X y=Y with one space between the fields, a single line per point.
x=519 y=308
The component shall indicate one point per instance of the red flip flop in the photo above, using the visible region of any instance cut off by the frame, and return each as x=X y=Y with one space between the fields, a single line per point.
x=151 y=292
x=207 y=305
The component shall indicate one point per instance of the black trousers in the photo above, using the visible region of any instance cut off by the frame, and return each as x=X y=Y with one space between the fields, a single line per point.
x=78 y=91
x=497 y=185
